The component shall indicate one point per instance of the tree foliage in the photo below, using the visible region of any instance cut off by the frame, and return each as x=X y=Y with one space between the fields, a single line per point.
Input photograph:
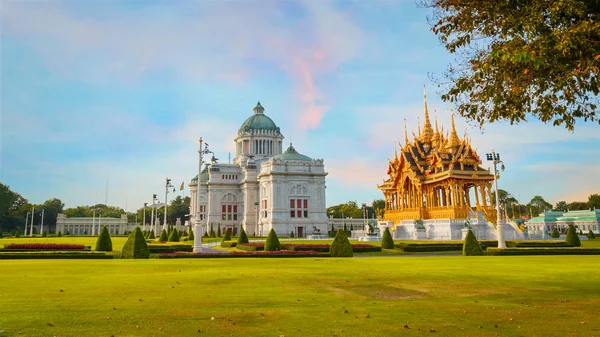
x=594 y=201
x=104 y=242
x=135 y=247
x=471 y=246
x=272 y=243
x=573 y=237
x=341 y=247
x=561 y=206
x=386 y=241
x=520 y=57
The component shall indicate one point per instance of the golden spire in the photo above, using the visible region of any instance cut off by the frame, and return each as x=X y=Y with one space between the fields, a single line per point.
x=427 y=129
x=405 y=134
x=453 y=141
x=436 y=135
x=395 y=151
x=419 y=126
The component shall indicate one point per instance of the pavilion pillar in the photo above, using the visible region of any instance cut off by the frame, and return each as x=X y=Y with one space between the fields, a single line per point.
x=467 y=196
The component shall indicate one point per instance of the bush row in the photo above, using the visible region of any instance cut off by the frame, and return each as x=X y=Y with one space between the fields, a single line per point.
x=251 y=247
x=524 y=244
x=154 y=249
x=271 y=254
x=429 y=248
x=228 y=244
x=44 y=246
x=543 y=251
x=54 y=255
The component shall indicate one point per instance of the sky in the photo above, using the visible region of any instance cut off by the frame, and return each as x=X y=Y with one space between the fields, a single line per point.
x=102 y=100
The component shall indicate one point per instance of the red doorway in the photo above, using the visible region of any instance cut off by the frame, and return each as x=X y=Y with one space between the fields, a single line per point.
x=300 y=232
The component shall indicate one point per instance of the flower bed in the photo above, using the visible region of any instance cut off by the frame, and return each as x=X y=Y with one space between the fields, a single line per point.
x=543 y=251
x=251 y=247
x=43 y=246
x=279 y=253
x=305 y=247
x=24 y=255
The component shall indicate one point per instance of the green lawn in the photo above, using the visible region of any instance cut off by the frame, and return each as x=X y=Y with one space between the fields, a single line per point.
x=377 y=296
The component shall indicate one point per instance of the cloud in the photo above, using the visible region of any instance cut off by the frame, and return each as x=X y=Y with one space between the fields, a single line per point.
x=217 y=42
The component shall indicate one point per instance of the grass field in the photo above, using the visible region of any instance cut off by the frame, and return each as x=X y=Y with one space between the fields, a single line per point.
x=375 y=296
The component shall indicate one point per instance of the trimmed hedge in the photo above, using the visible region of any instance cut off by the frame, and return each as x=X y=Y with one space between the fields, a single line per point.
x=243 y=238
x=136 y=247
x=533 y=244
x=572 y=237
x=386 y=241
x=591 y=235
x=174 y=237
x=543 y=251
x=277 y=254
x=104 y=242
x=154 y=249
x=272 y=243
x=437 y=248
x=555 y=234
x=341 y=247
x=228 y=244
x=255 y=247
x=43 y=246
x=324 y=248
x=54 y=255
x=164 y=237
x=471 y=247
x=226 y=236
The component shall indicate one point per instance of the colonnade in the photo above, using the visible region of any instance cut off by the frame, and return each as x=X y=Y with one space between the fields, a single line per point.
x=267 y=147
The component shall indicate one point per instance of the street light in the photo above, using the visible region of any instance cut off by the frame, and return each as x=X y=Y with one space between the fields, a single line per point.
x=167 y=186
x=495 y=158
x=42 y=225
x=144 y=218
x=256 y=208
x=197 y=224
x=364 y=207
x=153 y=220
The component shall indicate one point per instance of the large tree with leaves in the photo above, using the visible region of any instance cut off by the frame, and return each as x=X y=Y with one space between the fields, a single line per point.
x=520 y=57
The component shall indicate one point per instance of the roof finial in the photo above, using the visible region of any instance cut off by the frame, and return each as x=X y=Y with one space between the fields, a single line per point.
x=419 y=126
x=405 y=134
x=395 y=150
x=427 y=129
x=453 y=141
x=258 y=109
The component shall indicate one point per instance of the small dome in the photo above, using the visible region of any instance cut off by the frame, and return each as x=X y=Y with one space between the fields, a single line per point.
x=258 y=121
x=204 y=176
x=292 y=154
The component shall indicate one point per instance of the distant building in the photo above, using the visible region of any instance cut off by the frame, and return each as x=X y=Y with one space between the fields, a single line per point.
x=264 y=187
x=582 y=220
x=92 y=225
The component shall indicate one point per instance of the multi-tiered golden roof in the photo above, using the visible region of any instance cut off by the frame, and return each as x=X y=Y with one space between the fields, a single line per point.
x=436 y=176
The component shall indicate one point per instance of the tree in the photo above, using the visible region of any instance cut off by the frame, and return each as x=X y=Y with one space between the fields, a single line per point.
x=219 y=230
x=594 y=201
x=341 y=247
x=572 y=237
x=379 y=207
x=135 y=247
x=471 y=246
x=579 y=206
x=539 y=205
x=520 y=58
x=179 y=208
x=561 y=206
x=272 y=243
x=243 y=238
x=104 y=242
x=386 y=241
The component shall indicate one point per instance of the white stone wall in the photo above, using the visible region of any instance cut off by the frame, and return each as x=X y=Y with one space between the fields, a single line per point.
x=91 y=225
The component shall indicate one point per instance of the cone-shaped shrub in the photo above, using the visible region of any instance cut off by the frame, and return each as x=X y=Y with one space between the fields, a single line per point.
x=205 y=235
x=572 y=237
x=191 y=236
x=555 y=234
x=59 y=234
x=219 y=230
x=151 y=236
x=135 y=247
x=387 y=242
x=212 y=232
x=174 y=237
x=1 y=235
x=104 y=242
x=291 y=234
x=272 y=242
x=590 y=235
x=341 y=247
x=471 y=246
x=44 y=234
x=226 y=236
x=243 y=238
x=163 y=236
x=18 y=234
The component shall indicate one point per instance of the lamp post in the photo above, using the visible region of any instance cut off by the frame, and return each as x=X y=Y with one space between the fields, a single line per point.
x=31 y=226
x=153 y=220
x=197 y=221
x=167 y=186
x=42 y=225
x=495 y=158
x=256 y=208
x=144 y=218
x=26 y=221
x=364 y=207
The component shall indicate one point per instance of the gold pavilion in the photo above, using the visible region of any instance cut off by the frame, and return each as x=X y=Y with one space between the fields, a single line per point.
x=436 y=176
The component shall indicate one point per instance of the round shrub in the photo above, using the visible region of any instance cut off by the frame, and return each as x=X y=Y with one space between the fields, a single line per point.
x=590 y=235
x=572 y=237
x=135 y=247
x=163 y=236
x=104 y=242
x=243 y=238
x=555 y=234
x=174 y=237
x=470 y=246
x=387 y=242
x=272 y=243
x=341 y=247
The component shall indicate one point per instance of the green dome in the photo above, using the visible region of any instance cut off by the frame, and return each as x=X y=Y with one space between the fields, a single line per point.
x=204 y=176
x=292 y=154
x=258 y=121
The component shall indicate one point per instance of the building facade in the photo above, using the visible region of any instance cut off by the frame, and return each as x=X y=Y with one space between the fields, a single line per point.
x=584 y=221
x=93 y=225
x=264 y=187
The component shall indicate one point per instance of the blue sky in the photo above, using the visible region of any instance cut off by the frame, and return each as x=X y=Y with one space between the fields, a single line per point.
x=122 y=90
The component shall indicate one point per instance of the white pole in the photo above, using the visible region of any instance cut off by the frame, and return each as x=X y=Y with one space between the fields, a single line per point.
x=152 y=219
x=144 y=219
x=99 y=220
x=32 y=216
x=93 y=222
x=166 y=192
x=26 y=221
x=42 y=226
x=499 y=221
x=197 y=226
